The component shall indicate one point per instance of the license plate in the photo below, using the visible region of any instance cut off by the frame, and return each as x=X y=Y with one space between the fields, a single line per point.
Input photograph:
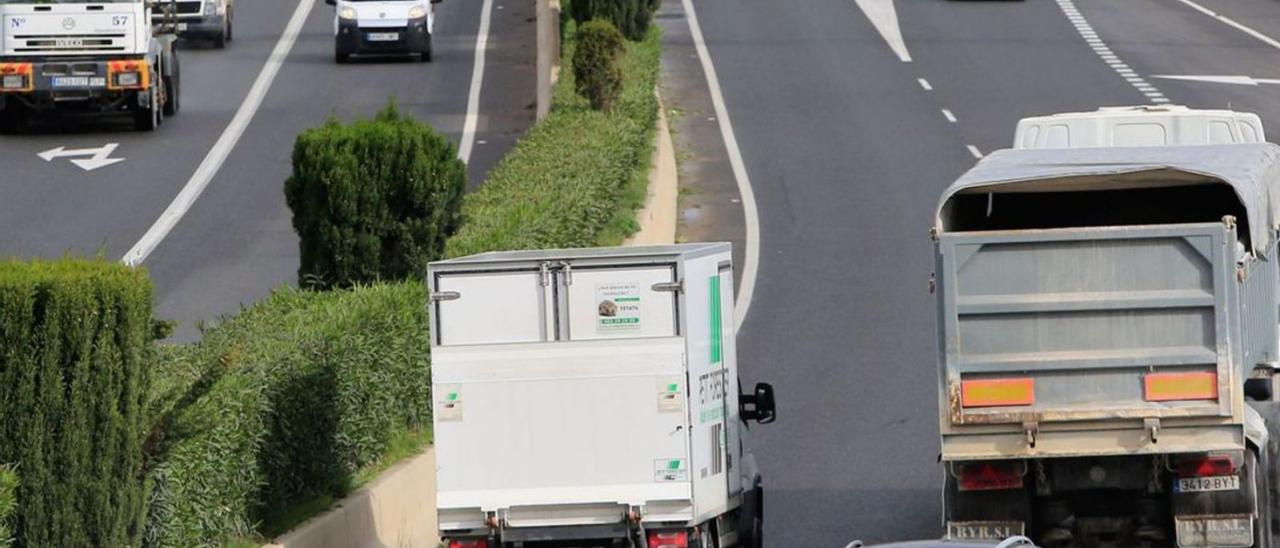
x=1217 y=531
x=384 y=36
x=1211 y=483
x=983 y=530
x=79 y=81
x=182 y=27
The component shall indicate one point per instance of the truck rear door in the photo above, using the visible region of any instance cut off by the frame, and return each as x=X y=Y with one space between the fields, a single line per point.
x=1087 y=323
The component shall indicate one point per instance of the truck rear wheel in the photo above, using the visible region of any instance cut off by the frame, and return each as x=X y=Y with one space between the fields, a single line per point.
x=13 y=118
x=172 y=88
x=148 y=118
x=1260 y=468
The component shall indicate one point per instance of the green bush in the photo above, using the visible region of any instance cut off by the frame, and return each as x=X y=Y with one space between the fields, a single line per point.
x=596 y=72
x=286 y=401
x=75 y=339
x=8 y=503
x=373 y=200
x=632 y=17
x=577 y=178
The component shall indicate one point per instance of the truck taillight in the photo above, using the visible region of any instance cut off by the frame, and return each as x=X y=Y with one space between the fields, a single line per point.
x=469 y=543
x=668 y=539
x=134 y=74
x=1202 y=466
x=16 y=77
x=989 y=475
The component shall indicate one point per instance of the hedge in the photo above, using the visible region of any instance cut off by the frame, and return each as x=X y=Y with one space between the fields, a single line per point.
x=300 y=392
x=578 y=177
x=8 y=503
x=632 y=17
x=373 y=200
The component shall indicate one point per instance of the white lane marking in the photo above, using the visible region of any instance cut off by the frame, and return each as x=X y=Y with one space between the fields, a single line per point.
x=749 y=213
x=477 y=78
x=97 y=157
x=974 y=151
x=949 y=116
x=1235 y=80
x=924 y=84
x=1099 y=47
x=885 y=19
x=1241 y=27
x=217 y=155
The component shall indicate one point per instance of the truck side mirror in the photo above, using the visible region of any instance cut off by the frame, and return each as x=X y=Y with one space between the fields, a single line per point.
x=759 y=406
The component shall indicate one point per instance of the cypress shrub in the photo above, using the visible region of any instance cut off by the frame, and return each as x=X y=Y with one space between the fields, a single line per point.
x=75 y=339
x=596 y=71
x=308 y=388
x=631 y=17
x=373 y=200
x=8 y=503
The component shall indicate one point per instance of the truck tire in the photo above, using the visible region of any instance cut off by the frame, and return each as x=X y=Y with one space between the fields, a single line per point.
x=148 y=119
x=13 y=119
x=1259 y=467
x=753 y=530
x=173 y=88
x=231 y=24
x=220 y=40
x=340 y=57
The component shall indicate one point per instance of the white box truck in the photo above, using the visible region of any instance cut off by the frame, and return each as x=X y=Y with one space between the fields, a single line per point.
x=591 y=396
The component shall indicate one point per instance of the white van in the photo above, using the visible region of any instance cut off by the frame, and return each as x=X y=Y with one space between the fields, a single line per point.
x=382 y=27
x=1146 y=125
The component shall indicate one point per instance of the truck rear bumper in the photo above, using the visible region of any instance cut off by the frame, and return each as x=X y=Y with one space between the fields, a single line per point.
x=1135 y=440
x=74 y=84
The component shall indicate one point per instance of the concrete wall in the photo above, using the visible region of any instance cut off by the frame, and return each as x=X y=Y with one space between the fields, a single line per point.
x=397 y=510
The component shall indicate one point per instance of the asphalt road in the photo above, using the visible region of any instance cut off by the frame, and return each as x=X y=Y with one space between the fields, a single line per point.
x=236 y=242
x=848 y=151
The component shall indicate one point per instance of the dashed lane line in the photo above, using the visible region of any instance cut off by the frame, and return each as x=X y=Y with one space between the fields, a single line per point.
x=924 y=84
x=974 y=151
x=1108 y=56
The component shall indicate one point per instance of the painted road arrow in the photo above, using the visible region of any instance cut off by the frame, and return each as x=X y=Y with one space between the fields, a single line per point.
x=1234 y=80
x=97 y=157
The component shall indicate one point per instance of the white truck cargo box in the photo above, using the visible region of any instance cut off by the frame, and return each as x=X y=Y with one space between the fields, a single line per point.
x=585 y=388
x=1147 y=125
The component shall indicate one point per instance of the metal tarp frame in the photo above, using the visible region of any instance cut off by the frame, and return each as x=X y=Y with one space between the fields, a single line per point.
x=1252 y=170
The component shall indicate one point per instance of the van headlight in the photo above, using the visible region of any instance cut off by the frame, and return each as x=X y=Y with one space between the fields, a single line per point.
x=347 y=13
x=417 y=12
x=210 y=7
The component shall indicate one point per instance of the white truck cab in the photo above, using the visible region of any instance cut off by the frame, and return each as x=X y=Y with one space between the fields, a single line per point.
x=383 y=27
x=100 y=56
x=1146 y=125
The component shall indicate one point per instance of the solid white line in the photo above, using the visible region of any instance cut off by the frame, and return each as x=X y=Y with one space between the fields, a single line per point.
x=949 y=116
x=477 y=78
x=925 y=84
x=217 y=155
x=1264 y=38
x=974 y=151
x=749 y=213
x=885 y=19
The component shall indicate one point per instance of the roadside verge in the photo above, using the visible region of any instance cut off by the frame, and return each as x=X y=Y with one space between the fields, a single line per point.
x=658 y=218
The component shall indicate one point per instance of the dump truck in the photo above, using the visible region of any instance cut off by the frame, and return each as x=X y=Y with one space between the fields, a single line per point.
x=76 y=57
x=591 y=397
x=1107 y=345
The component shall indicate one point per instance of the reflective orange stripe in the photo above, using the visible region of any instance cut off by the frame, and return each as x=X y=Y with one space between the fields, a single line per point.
x=997 y=392
x=1181 y=386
